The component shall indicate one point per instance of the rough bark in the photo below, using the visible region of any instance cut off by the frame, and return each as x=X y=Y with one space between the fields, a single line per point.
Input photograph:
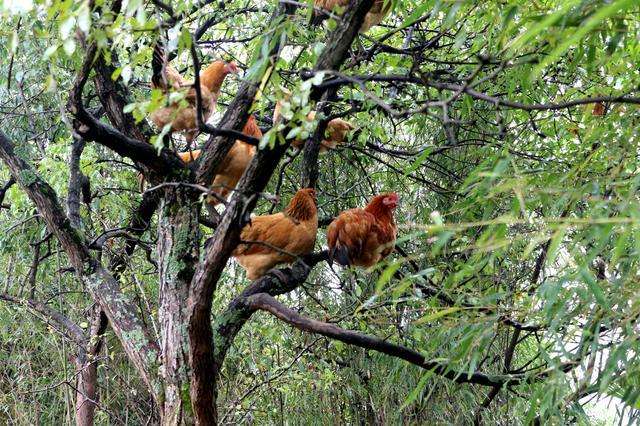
x=178 y=242
x=225 y=239
x=87 y=370
x=203 y=389
x=238 y=312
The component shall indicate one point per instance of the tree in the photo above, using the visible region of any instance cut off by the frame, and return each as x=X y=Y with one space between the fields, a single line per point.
x=507 y=128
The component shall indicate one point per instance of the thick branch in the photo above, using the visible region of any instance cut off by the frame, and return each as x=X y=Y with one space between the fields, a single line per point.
x=227 y=235
x=278 y=281
x=90 y=128
x=268 y=303
x=223 y=242
x=46 y=201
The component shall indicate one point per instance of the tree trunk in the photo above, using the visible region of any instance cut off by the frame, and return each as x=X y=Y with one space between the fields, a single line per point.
x=178 y=243
x=86 y=390
x=87 y=370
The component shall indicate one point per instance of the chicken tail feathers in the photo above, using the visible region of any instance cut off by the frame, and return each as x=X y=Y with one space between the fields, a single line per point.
x=317 y=18
x=157 y=66
x=340 y=254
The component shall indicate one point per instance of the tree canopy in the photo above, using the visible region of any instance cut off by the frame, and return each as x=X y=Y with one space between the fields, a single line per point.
x=507 y=128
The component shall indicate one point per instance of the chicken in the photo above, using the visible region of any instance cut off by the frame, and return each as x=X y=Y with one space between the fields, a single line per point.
x=336 y=133
x=598 y=109
x=363 y=237
x=183 y=118
x=376 y=14
x=234 y=163
x=286 y=234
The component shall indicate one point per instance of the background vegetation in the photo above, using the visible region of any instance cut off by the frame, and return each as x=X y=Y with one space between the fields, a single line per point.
x=509 y=130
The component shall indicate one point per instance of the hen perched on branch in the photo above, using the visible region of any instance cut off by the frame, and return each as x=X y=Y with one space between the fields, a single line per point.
x=276 y=238
x=167 y=78
x=336 y=133
x=363 y=237
x=234 y=164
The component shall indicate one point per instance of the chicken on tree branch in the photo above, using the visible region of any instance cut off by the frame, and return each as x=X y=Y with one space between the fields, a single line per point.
x=227 y=234
x=279 y=238
x=201 y=99
x=92 y=129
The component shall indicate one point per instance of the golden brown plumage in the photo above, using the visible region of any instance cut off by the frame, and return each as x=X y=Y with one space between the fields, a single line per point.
x=184 y=118
x=293 y=232
x=376 y=14
x=234 y=163
x=172 y=79
x=213 y=75
x=363 y=237
x=336 y=133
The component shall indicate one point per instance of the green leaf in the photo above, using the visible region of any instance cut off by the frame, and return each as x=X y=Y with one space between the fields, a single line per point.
x=437 y=315
x=84 y=18
x=594 y=287
x=50 y=51
x=66 y=27
x=69 y=46
x=602 y=14
x=534 y=31
x=387 y=275
x=413 y=395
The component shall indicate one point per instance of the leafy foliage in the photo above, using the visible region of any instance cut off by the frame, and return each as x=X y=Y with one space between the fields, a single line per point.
x=509 y=129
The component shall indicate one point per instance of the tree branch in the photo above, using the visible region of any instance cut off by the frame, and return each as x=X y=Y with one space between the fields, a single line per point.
x=331 y=58
x=75 y=182
x=278 y=281
x=268 y=303
x=90 y=128
x=5 y=188
x=52 y=317
x=227 y=235
x=135 y=338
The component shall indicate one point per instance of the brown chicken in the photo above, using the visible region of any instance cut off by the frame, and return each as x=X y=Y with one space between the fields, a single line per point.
x=234 y=163
x=376 y=14
x=363 y=237
x=286 y=234
x=184 y=118
x=598 y=109
x=336 y=133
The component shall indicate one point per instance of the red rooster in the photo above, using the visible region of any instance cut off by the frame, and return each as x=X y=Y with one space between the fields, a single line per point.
x=363 y=237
